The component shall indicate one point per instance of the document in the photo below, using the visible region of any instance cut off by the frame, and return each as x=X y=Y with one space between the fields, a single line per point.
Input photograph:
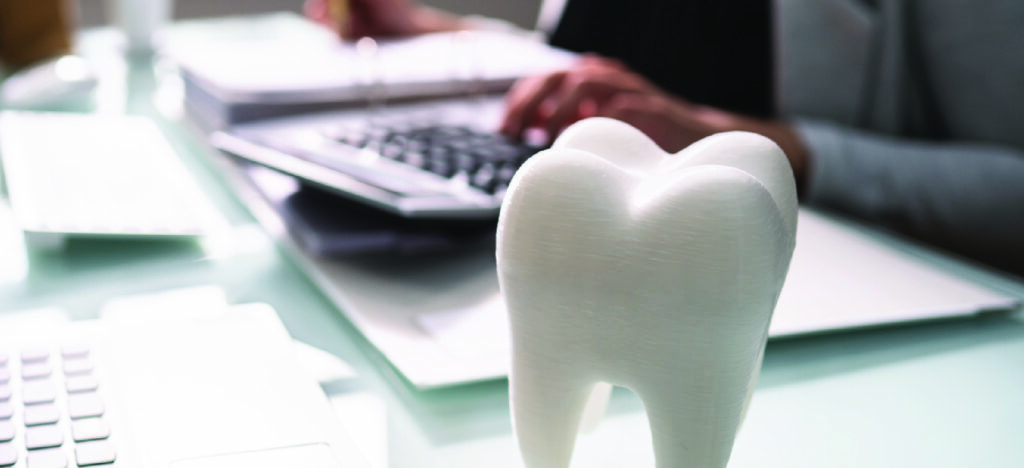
x=284 y=58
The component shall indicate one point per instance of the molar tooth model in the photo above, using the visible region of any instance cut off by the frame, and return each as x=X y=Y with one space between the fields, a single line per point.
x=624 y=265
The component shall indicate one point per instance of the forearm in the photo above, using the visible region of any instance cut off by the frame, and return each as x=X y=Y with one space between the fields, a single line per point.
x=968 y=197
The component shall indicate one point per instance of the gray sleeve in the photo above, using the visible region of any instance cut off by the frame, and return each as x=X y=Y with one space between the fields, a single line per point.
x=964 y=196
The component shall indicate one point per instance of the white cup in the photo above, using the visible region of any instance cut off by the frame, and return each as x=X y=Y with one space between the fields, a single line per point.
x=139 y=21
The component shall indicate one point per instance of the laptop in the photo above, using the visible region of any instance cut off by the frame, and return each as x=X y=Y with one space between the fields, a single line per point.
x=439 y=318
x=195 y=387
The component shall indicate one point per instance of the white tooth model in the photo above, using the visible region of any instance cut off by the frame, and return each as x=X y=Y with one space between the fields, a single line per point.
x=622 y=264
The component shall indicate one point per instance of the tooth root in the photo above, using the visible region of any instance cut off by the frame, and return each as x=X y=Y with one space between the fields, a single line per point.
x=678 y=442
x=546 y=422
x=597 y=404
x=695 y=412
x=754 y=374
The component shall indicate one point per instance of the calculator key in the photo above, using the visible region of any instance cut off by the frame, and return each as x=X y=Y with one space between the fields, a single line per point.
x=441 y=167
x=6 y=431
x=47 y=458
x=38 y=391
x=484 y=179
x=74 y=351
x=35 y=370
x=506 y=172
x=39 y=437
x=34 y=355
x=96 y=452
x=415 y=158
x=89 y=429
x=76 y=366
x=417 y=145
x=465 y=162
x=438 y=153
x=391 y=150
x=81 y=383
x=8 y=455
x=45 y=413
x=84 y=405
x=6 y=410
x=5 y=392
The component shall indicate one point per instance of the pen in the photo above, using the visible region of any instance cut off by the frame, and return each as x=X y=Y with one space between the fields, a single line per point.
x=337 y=13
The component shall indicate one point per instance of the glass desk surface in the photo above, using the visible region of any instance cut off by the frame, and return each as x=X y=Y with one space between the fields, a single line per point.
x=945 y=393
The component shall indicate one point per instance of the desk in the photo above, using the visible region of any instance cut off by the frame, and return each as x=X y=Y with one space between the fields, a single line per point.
x=937 y=394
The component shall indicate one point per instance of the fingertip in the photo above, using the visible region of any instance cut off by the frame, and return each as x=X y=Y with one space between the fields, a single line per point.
x=508 y=129
x=510 y=123
x=524 y=100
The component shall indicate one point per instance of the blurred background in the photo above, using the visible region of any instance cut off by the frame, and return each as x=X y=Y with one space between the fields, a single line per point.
x=520 y=12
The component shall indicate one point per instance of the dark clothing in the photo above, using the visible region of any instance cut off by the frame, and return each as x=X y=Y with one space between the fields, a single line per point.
x=912 y=110
x=711 y=52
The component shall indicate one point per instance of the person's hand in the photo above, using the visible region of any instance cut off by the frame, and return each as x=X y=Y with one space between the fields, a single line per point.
x=554 y=101
x=603 y=87
x=353 y=19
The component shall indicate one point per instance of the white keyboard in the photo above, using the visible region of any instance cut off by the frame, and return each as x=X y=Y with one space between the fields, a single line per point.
x=50 y=406
x=97 y=175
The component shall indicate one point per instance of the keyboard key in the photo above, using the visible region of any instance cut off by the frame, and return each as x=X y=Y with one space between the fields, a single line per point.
x=45 y=413
x=89 y=429
x=34 y=355
x=6 y=410
x=414 y=158
x=35 y=370
x=84 y=405
x=376 y=134
x=74 y=351
x=441 y=167
x=6 y=431
x=48 y=458
x=438 y=152
x=5 y=375
x=391 y=150
x=77 y=366
x=505 y=173
x=94 y=453
x=8 y=455
x=417 y=145
x=5 y=392
x=38 y=391
x=39 y=437
x=465 y=162
x=491 y=155
x=81 y=383
x=353 y=139
x=484 y=179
